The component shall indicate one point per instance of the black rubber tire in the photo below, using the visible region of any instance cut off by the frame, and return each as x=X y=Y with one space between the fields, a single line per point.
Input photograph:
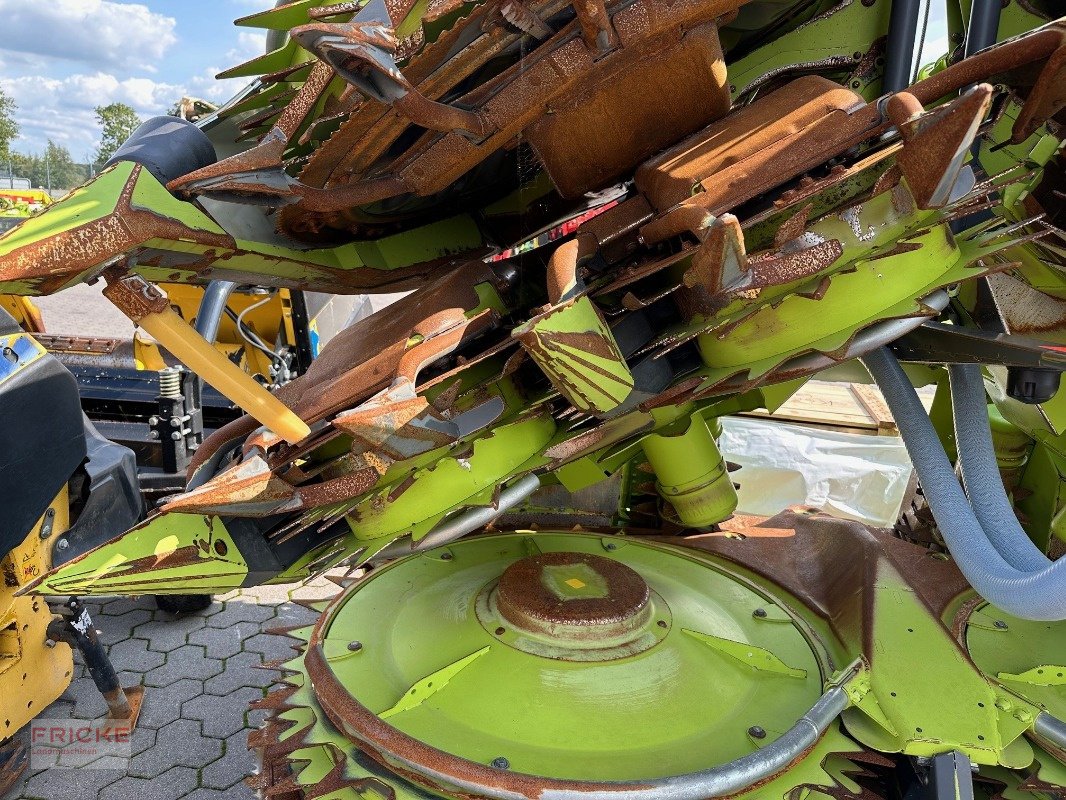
x=182 y=603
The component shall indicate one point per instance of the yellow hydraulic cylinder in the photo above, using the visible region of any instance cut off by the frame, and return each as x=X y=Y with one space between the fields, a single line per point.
x=691 y=473
x=148 y=307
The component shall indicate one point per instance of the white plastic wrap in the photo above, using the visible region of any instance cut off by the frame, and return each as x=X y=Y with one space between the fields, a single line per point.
x=847 y=475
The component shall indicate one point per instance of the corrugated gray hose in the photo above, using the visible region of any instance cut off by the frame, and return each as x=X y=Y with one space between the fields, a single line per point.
x=1037 y=592
x=980 y=472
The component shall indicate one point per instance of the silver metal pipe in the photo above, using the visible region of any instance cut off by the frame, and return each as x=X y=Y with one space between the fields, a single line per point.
x=1050 y=728
x=212 y=307
x=719 y=781
x=877 y=335
x=461 y=525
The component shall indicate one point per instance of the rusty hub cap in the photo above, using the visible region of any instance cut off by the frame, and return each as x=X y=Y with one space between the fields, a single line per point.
x=574 y=607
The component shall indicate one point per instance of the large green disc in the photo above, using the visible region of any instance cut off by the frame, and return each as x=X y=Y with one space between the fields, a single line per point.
x=567 y=656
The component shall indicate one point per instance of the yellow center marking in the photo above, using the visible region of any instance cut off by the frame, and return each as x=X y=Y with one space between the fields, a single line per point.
x=575 y=583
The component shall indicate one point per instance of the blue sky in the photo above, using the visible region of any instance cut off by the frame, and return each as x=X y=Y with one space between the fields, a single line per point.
x=61 y=58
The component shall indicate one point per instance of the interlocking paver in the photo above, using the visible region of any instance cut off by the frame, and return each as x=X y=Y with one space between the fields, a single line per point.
x=232 y=768
x=188 y=661
x=170 y=785
x=69 y=784
x=272 y=647
x=222 y=642
x=240 y=671
x=267 y=595
x=114 y=629
x=240 y=610
x=178 y=744
x=238 y=792
x=167 y=632
x=162 y=704
x=123 y=605
x=221 y=720
x=134 y=655
x=200 y=676
x=294 y=614
x=87 y=701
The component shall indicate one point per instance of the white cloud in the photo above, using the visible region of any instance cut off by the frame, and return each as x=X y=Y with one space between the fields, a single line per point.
x=100 y=33
x=207 y=87
x=62 y=109
x=249 y=45
x=204 y=85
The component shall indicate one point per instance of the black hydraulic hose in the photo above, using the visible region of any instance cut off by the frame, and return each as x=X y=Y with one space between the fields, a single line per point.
x=899 y=51
x=983 y=27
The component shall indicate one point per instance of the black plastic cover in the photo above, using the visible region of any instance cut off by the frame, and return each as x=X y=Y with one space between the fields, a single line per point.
x=168 y=147
x=42 y=441
x=110 y=502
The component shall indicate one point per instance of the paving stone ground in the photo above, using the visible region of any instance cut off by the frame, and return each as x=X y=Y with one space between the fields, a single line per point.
x=200 y=675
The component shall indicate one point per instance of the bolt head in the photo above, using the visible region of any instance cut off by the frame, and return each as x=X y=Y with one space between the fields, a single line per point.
x=756 y=732
x=62 y=544
x=759 y=613
x=446 y=556
x=355 y=647
x=1000 y=624
x=501 y=763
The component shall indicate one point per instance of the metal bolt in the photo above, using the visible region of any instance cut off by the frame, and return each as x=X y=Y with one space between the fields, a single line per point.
x=153 y=421
x=501 y=763
x=759 y=613
x=49 y=643
x=62 y=544
x=755 y=732
x=176 y=436
x=446 y=556
x=47 y=523
x=153 y=434
x=1000 y=624
x=175 y=422
x=610 y=546
x=355 y=647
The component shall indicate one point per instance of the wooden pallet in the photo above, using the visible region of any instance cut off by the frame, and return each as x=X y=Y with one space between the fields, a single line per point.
x=849 y=407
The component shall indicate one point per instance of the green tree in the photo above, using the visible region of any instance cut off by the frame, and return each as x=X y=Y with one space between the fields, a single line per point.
x=118 y=121
x=53 y=169
x=9 y=128
x=60 y=170
x=21 y=165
